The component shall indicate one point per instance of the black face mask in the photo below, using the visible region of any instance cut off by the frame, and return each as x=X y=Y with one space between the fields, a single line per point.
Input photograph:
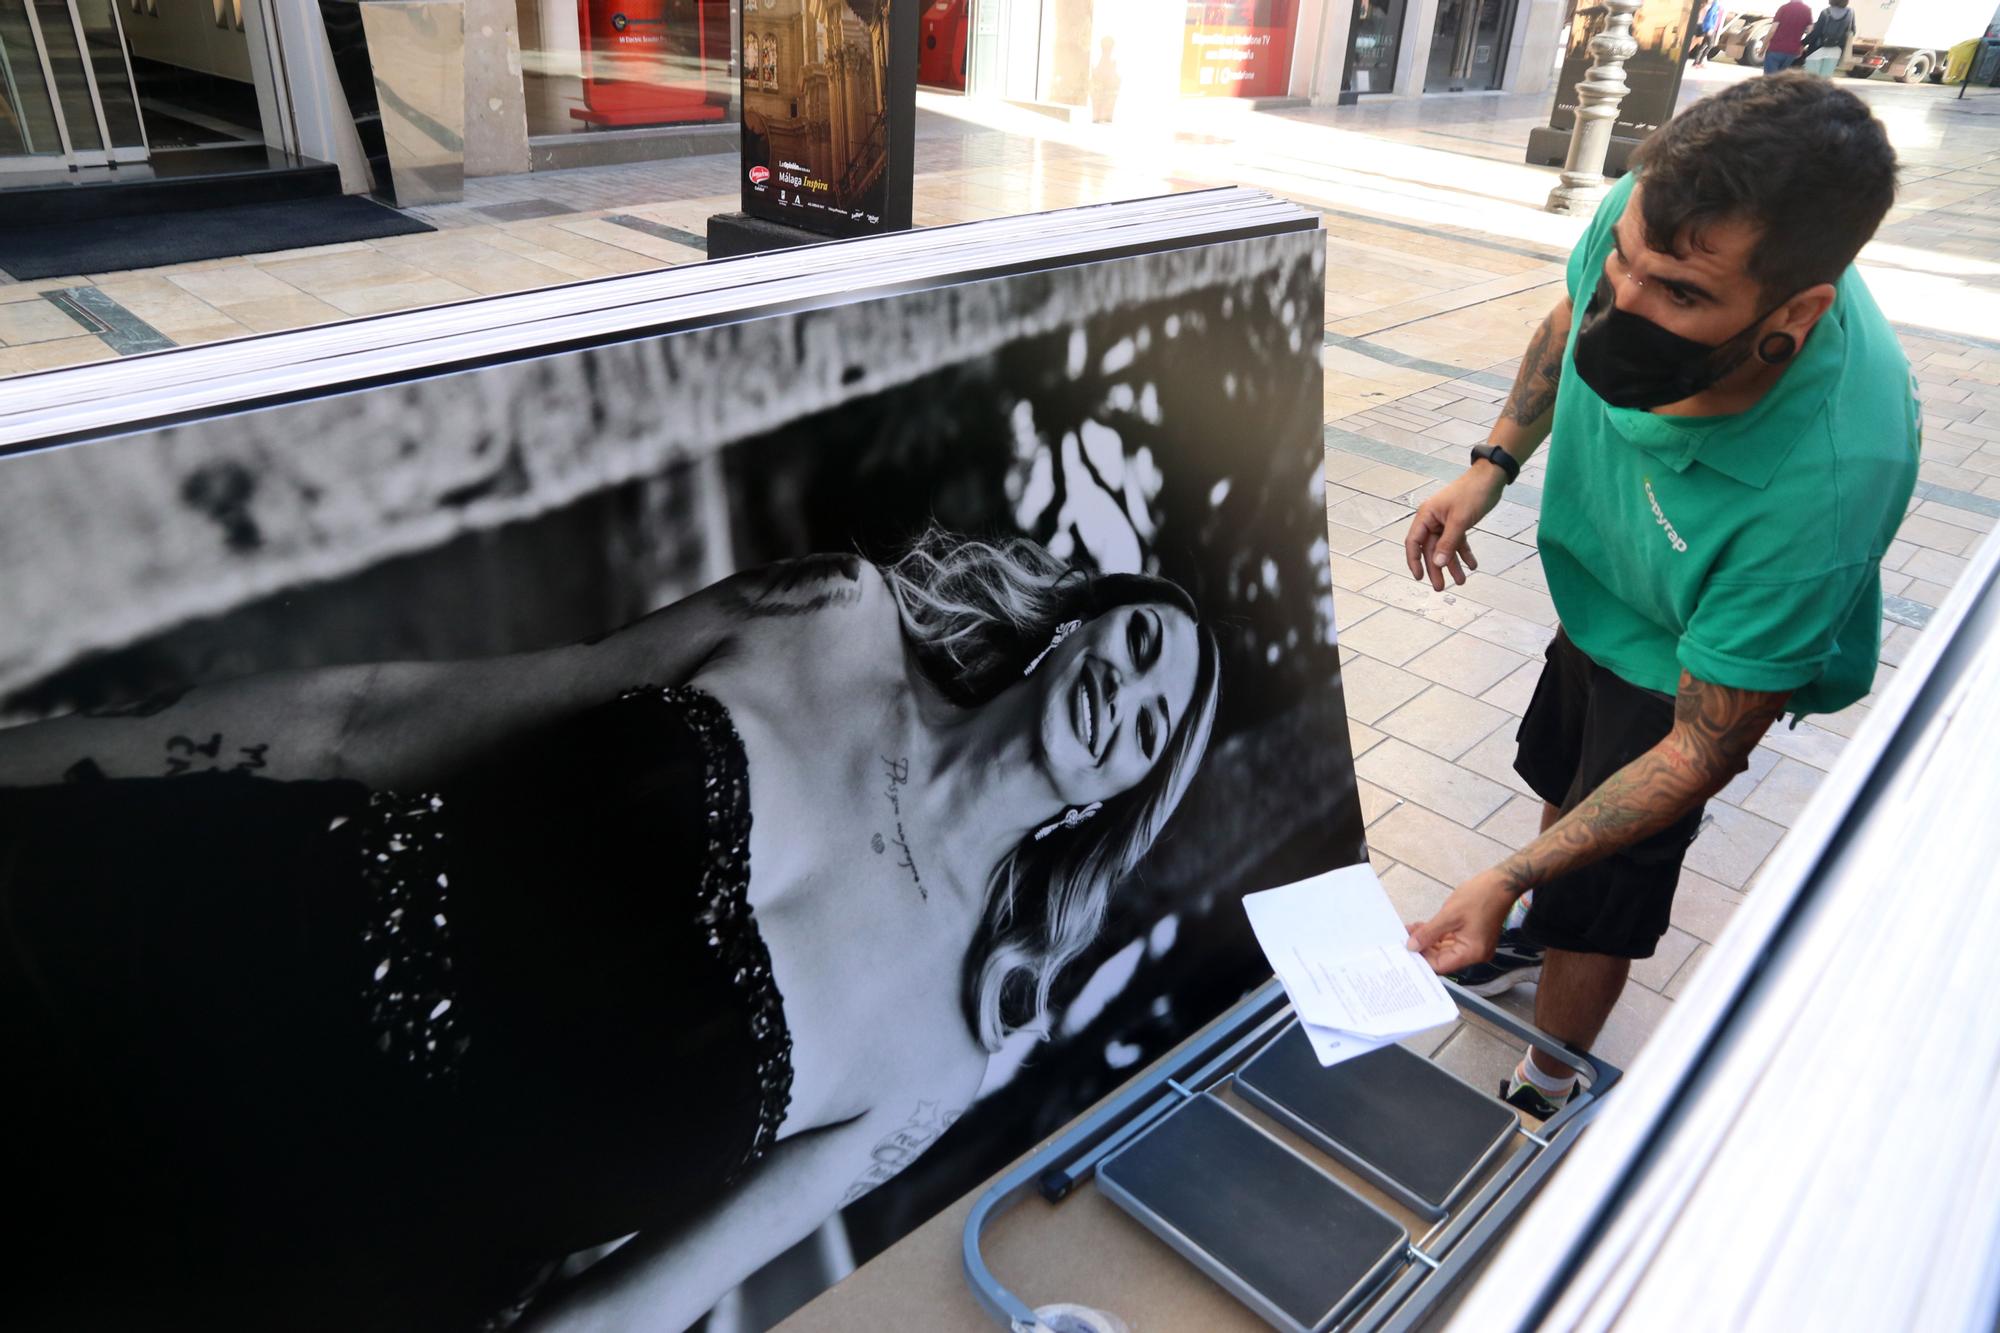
x=1629 y=361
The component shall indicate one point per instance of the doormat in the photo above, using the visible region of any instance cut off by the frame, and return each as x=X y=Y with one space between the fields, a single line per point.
x=113 y=245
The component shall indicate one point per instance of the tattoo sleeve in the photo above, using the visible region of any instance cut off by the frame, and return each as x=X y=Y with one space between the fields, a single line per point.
x=897 y=1150
x=1533 y=397
x=1714 y=730
x=801 y=587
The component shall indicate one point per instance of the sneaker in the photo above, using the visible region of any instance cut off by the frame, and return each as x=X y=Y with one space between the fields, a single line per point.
x=1527 y=1097
x=1515 y=963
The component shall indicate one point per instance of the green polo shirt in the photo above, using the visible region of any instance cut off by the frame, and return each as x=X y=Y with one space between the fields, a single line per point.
x=1747 y=548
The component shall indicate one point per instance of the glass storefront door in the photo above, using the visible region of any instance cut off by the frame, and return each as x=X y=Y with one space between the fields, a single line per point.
x=1469 y=46
x=1373 y=41
x=68 y=98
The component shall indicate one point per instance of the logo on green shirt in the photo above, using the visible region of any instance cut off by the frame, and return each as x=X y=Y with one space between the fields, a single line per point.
x=1659 y=516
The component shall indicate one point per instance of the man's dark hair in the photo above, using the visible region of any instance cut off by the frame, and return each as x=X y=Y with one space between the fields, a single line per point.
x=1790 y=153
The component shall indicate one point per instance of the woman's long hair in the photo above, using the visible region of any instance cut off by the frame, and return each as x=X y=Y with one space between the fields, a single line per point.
x=976 y=613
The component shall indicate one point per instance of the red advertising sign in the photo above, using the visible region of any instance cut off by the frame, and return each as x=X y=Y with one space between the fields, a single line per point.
x=1238 y=48
x=653 y=62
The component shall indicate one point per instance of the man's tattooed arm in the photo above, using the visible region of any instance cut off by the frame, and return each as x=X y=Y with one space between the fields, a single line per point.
x=1714 y=730
x=1532 y=401
x=800 y=587
x=902 y=1146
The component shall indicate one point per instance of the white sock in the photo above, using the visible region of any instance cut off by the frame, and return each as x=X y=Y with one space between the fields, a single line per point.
x=1547 y=1084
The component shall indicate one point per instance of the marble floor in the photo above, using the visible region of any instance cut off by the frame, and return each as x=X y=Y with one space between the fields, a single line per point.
x=1441 y=260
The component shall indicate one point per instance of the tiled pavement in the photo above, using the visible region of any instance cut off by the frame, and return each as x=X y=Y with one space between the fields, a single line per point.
x=1440 y=262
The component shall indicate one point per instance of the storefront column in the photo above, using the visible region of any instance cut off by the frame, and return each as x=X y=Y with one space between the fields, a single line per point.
x=496 y=107
x=1336 y=26
x=1414 y=58
x=1306 y=32
x=1531 y=56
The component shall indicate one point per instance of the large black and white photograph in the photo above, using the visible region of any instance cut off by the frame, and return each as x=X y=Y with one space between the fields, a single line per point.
x=613 y=840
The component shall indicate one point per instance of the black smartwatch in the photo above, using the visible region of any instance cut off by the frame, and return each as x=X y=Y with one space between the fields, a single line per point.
x=1500 y=458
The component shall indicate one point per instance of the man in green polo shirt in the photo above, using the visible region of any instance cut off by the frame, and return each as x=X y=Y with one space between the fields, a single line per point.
x=1733 y=436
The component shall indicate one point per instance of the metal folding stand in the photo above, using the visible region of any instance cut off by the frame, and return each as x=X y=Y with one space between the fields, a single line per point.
x=1395 y=1296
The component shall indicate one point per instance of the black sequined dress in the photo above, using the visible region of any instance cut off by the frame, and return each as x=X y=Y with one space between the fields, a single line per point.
x=302 y=1055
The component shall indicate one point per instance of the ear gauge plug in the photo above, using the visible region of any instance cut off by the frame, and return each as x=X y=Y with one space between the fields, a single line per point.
x=1777 y=348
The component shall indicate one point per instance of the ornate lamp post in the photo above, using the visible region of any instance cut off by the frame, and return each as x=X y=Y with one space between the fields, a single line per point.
x=1597 y=95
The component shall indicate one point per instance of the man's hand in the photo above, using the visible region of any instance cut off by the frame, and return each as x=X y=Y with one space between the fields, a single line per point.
x=1466 y=930
x=1437 y=534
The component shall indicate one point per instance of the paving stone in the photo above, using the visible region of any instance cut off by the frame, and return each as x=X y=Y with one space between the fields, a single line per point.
x=1732 y=844
x=1387 y=482
x=1444 y=721
x=1517 y=691
x=1638 y=1013
x=1781 y=797
x=1375 y=801
x=1917 y=590
x=1458 y=434
x=1343 y=540
x=1961 y=518
x=1393 y=636
x=1528 y=603
x=1847 y=722
x=1497 y=555
x=1762 y=760
x=1351 y=608
x=1935 y=566
x=1417 y=775
x=1689 y=969
x=1375 y=689
x=1434 y=845
x=1807 y=743
x=1415 y=896
x=1386 y=556
x=1494 y=758
x=1417 y=597
x=1674 y=949
x=1936 y=536
x=1361 y=738
x=1370 y=512
x=1513 y=633
x=1897 y=641
x=1703 y=907
x=1469 y=665
x=1340 y=465
x=1480 y=1056
x=1517 y=823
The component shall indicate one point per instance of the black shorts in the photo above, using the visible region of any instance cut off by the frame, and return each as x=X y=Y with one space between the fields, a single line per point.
x=1583 y=725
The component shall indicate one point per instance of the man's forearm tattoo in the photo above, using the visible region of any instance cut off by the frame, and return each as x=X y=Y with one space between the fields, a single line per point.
x=193 y=754
x=898 y=773
x=1534 y=393
x=800 y=587
x=1715 y=729
x=905 y=1145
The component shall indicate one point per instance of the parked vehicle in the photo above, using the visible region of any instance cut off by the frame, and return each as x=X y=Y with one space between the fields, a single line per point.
x=1745 y=38
x=1908 y=39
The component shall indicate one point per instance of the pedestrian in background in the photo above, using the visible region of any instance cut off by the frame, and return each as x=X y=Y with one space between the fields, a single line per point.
x=1826 y=45
x=1788 y=30
x=1707 y=32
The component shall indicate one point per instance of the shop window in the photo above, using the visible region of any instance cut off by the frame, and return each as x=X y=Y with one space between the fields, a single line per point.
x=626 y=64
x=1373 y=42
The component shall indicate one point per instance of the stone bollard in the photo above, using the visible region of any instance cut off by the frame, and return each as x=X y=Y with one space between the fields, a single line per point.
x=1598 y=94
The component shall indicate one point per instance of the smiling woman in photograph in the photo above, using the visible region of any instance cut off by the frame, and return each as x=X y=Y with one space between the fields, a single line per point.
x=364 y=996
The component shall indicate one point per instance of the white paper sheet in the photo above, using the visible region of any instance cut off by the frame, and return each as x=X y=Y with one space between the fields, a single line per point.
x=1338 y=947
